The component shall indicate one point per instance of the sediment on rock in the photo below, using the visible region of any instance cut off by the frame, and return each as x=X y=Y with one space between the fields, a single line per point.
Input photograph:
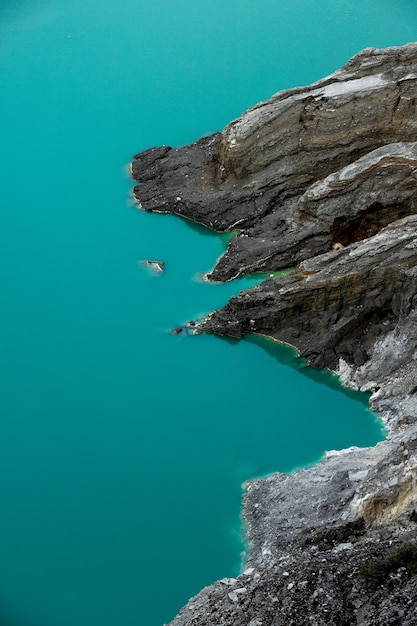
x=322 y=179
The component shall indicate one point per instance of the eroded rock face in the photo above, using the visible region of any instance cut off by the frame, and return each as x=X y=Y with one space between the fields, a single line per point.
x=349 y=205
x=322 y=179
x=311 y=586
x=335 y=305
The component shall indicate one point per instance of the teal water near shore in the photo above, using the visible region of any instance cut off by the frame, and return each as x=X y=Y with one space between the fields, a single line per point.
x=123 y=447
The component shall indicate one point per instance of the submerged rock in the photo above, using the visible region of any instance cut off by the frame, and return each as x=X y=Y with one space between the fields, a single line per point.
x=157 y=267
x=322 y=179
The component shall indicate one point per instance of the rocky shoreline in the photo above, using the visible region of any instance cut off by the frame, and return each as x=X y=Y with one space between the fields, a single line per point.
x=322 y=179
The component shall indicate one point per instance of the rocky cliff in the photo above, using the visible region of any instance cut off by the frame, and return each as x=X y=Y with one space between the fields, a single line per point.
x=321 y=179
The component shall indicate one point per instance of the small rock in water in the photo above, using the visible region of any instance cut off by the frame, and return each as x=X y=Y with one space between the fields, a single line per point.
x=157 y=266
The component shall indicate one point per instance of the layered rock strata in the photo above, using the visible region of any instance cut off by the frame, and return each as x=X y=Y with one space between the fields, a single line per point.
x=322 y=179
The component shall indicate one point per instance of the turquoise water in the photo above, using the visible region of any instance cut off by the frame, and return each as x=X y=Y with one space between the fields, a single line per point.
x=123 y=447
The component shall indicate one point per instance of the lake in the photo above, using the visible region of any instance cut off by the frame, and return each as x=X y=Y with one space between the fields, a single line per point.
x=123 y=448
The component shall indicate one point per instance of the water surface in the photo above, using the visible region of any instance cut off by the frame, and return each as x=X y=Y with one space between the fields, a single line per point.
x=123 y=447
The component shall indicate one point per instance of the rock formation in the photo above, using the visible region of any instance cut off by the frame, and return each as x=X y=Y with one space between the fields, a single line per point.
x=321 y=179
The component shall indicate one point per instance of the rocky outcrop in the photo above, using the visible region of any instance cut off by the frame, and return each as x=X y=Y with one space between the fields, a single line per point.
x=321 y=179
x=245 y=177
x=336 y=305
